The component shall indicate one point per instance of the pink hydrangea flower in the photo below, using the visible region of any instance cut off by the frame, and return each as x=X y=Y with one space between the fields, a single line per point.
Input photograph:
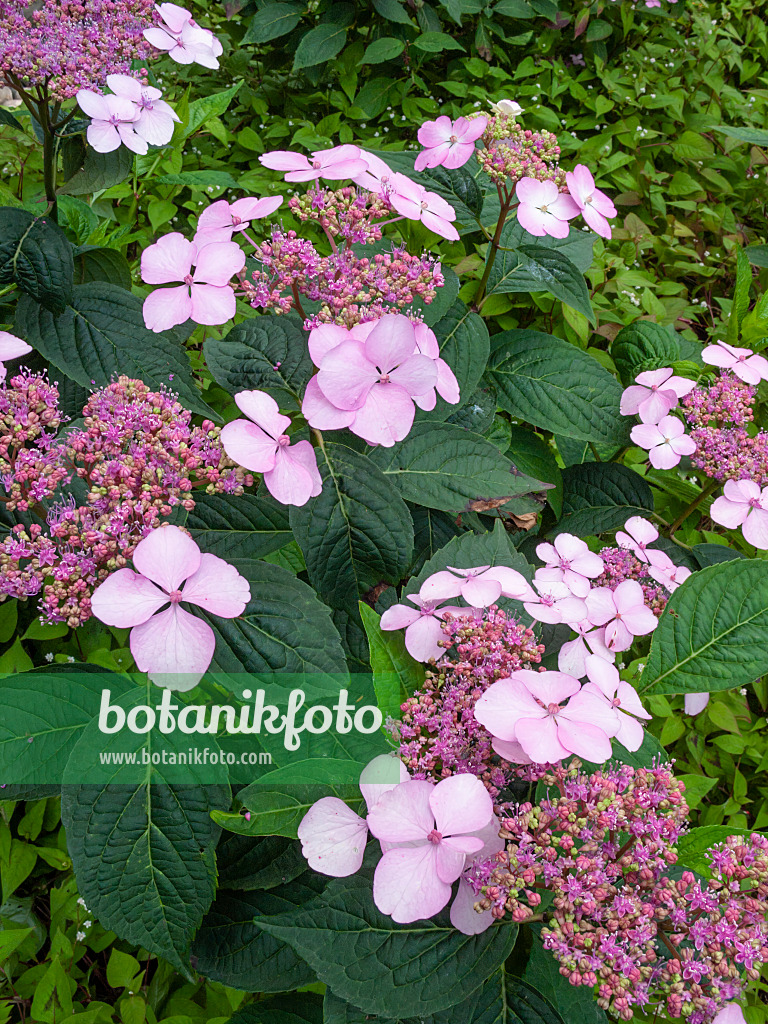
x=464 y=917
x=416 y=203
x=743 y=504
x=333 y=836
x=334 y=164
x=748 y=366
x=261 y=444
x=555 y=603
x=172 y=646
x=549 y=715
x=640 y=533
x=448 y=143
x=422 y=624
x=731 y=1013
x=377 y=174
x=662 y=569
x=378 y=380
x=572 y=656
x=570 y=561
x=544 y=209
x=183 y=39
x=154 y=117
x=205 y=296
x=219 y=221
x=479 y=587
x=413 y=881
x=695 y=703
x=604 y=679
x=654 y=394
x=623 y=612
x=11 y=347
x=594 y=204
x=113 y=122
x=666 y=442
x=511 y=108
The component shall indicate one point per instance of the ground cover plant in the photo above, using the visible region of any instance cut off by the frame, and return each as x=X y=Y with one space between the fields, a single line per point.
x=403 y=360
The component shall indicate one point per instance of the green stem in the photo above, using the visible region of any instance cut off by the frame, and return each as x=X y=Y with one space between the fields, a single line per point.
x=4 y=291
x=711 y=486
x=493 y=250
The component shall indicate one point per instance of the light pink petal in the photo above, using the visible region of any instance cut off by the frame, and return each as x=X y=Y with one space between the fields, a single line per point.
x=584 y=740
x=156 y=126
x=434 y=133
x=589 y=707
x=755 y=528
x=217 y=263
x=628 y=595
x=513 y=584
x=502 y=706
x=564 y=208
x=386 y=417
x=416 y=375
x=391 y=342
x=539 y=739
x=601 y=606
x=543 y=613
x=168 y=260
x=572 y=656
x=657 y=405
x=432 y=157
x=728 y=513
x=404 y=813
x=603 y=674
x=264 y=411
x=683 y=445
x=93 y=104
x=303 y=454
x=664 y=456
x=324 y=339
x=440 y=586
x=166 y=307
x=481 y=591
x=126 y=599
x=646 y=435
x=440 y=225
x=464 y=917
x=333 y=837
x=174 y=647
x=12 y=347
x=680 y=385
x=380 y=775
x=641 y=530
x=103 y=137
x=252 y=208
x=631 y=398
x=284 y=160
x=759 y=366
x=532 y=219
x=398 y=616
x=458 y=154
x=159 y=39
x=346 y=376
x=596 y=221
x=217 y=587
x=461 y=804
x=406 y=885
x=511 y=751
x=288 y=481
x=129 y=138
x=422 y=636
x=320 y=413
x=695 y=703
x=548 y=687
x=167 y=556
x=718 y=355
x=449 y=862
x=217 y=215
x=447 y=385
x=212 y=305
x=617 y=636
x=174 y=16
x=247 y=445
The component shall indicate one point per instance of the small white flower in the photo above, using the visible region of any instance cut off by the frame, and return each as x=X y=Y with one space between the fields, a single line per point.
x=80 y=937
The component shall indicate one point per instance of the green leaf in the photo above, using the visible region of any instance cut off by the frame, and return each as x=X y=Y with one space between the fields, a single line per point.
x=601 y=496
x=514 y=9
x=395 y=673
x=533 y=456
x=277 y=810
x=740 y=304
x=643 y=345
x=199 y=180
x=265 y=353
x=11 y=938
x=539 y=268
x=98 y=263
x=382 y=967
x=712 y=554
x=261 y=862
x=207 y=107
x=572 y=1002
x=101 y=335
x=465 y=345
x=37 y=736
x=319 y=45
x=284 y=627
x=509 y=273
x=392 y=10
x=77 y=216
x=271 y=22
x=446 y=467
x=143 y=846
x=246 y=526
x=693 y=845
x=556 y=386
x=6 y=117
x=713 y=633
x=356 y=533
x=35 y=255
x=231 y=949
x=757 y=254
x=386 y=48
x=374 y=96
x=293 y=1008
x=755 y=136
x=99 y=171
x=436 y=42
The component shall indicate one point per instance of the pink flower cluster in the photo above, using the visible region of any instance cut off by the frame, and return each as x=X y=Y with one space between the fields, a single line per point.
x=31 y=459
x=70 y=45
x=174 y=647
x=619 y=923
x=132 y=115
x=139 y=456
x=178 y=34
x=371 y=378
x=349 y=213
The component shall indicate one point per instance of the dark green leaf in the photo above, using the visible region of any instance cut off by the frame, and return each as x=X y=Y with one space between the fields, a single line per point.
x=465 y=346
x=199 y=180
x=99 y=171
x=35 y=255
x=556 y=386
x=755 y=136
x=319 y=45
x=392 y=10
x=266 y=353
x=445 y=467
x=356 y=533
x=384 y=49
x=712 y=554
x=206 y=107
x=713 y=633
x=509 y=273
x=757 y=254
x=514 y=9
x=533 y=456
x=601 y=496
x=643 y=345
x=260 y=862
x=572 y=1002
x=539 y=269
x=102 y=334
x=271 y=22
x=395 y=673
x=97 y=263
x=247 y=526
x=294 y=1008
